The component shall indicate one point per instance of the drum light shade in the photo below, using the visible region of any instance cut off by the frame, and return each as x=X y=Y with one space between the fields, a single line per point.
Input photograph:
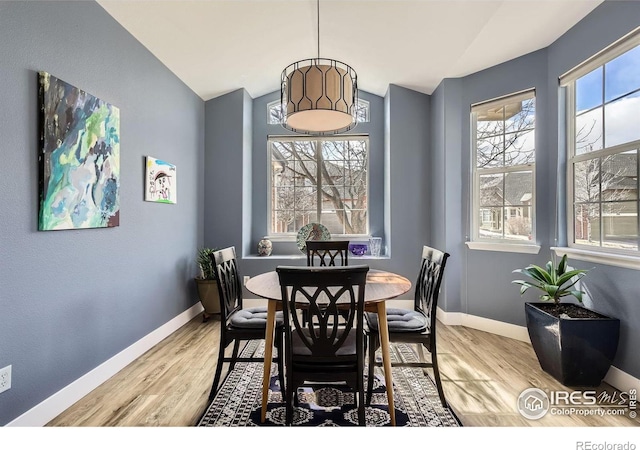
x=319 y=96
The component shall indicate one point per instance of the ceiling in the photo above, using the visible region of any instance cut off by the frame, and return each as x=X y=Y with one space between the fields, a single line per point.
x=218 y=46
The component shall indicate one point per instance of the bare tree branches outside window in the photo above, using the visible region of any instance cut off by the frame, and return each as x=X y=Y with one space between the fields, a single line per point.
x=504 y=168
x=604 y=157
x=319 y=180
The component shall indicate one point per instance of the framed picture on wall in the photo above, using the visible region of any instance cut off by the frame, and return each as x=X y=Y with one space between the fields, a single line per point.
x=79 y=158
x=160 y=181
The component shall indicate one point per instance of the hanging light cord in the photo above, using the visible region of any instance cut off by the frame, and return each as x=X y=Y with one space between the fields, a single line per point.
x=318 y=18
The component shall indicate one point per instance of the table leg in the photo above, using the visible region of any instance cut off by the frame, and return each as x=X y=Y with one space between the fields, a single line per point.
x=386 y=358
x=268 y=354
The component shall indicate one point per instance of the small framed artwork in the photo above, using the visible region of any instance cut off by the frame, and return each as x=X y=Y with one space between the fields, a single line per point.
x=160 y=181
x=79 y=158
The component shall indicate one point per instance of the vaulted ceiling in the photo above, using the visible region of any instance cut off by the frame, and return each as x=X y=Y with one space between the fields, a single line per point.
x=217 y=46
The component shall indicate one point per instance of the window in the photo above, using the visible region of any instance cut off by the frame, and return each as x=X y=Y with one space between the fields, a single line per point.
x=603 y=106
x=319 y=180
x=504 y=167
x=275 y=114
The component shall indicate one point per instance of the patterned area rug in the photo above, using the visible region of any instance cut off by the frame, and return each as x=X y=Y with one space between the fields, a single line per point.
x=238 y=401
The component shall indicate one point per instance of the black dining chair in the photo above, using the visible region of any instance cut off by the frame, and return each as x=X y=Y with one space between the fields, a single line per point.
x=324 y=349
x=237 y=323
x=327 y=253
x=413 y=326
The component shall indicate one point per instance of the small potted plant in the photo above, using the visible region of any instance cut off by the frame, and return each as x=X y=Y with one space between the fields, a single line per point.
x=574 y=344
x=207 y=284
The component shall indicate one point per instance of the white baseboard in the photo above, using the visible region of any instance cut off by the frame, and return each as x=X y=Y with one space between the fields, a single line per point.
x=621 y=380
x=615 y=377
x=50 y=408
x=509 y=330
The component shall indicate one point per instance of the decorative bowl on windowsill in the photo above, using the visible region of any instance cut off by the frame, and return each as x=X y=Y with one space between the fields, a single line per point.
x=358 y=249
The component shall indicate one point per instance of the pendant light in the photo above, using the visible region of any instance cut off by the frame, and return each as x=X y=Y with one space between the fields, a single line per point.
x=319 y=95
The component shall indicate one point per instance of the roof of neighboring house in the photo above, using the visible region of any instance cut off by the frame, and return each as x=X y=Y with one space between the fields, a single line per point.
x=517 y=185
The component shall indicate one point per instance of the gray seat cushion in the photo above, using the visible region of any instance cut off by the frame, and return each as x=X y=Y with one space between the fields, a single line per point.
x=253 y=318
x=399 y=320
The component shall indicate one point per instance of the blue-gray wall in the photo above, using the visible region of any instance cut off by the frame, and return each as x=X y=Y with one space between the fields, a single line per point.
x=484 y=279
x=70 y=300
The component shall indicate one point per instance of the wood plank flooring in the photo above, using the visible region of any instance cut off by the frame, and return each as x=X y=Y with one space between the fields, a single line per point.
x=483 y=375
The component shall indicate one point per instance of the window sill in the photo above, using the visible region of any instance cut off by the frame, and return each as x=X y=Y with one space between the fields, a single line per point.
x=352 y=258
x=610 y=259
x=503 y=247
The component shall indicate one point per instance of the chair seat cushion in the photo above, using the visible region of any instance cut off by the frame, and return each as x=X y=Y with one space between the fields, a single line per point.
x=253 y=318
x=400 y=320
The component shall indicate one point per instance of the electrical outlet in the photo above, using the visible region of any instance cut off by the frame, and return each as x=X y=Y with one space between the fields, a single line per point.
x=5 y=378
x=246 y=278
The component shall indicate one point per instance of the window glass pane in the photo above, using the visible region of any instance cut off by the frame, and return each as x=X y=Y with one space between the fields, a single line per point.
x=520 y=116
x=589 y=131
x=284 y=221
x=620 y=225
x=518 y=223
x=294 y=182
x=620 y=176
x=333 y=220
x=518 y=188
x=489 y=122
x=622 y=75
x=362 y=111
x=358 y=220
x=587 y=224
x=586 y=181
x=491 y=220
x=491 y=187
x=490 y=152
x=275 y=113
x=621 y=119
x=519 y=148
x=589 y=91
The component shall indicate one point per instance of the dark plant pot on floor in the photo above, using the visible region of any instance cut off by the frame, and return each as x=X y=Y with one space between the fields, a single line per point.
x=575 y=351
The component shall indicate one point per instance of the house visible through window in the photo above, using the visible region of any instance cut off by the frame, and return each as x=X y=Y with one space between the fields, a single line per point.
x=504 y=168
x=603 y=110
x=319 y=180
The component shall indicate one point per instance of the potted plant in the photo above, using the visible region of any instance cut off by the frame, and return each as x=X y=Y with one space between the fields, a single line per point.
x=206 y=283
x=574 y=344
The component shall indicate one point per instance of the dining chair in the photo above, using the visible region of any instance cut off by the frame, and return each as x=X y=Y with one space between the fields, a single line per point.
x=413 y=326
x=324 y=349
x=237 y=323
x=327 y=253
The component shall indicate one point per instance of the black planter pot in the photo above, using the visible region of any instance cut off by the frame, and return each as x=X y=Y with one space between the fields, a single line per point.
x=576 y=352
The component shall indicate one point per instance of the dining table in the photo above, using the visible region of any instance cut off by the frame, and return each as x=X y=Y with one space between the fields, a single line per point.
x=381 y=286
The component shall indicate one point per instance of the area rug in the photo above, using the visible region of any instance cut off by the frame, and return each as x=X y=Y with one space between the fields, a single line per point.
x=417 y=404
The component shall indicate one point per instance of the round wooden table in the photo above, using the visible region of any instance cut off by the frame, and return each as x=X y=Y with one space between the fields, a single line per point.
x=381 y=286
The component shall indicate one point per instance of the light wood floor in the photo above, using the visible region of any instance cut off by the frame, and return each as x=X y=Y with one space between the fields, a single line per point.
x=483 y=375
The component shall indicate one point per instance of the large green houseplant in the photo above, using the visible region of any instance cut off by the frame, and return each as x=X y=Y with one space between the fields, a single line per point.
x=206 y=283
x=574 y=344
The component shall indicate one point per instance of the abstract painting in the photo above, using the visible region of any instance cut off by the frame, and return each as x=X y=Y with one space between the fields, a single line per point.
x=160 y=181
x=79 y=160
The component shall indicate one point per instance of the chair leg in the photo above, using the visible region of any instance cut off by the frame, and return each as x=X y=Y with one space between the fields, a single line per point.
x=372 y=360
x=360 y=402
x=436 y=375
x=280 y=348
x=234 y=355
x=216 y=378
x=289 y=400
